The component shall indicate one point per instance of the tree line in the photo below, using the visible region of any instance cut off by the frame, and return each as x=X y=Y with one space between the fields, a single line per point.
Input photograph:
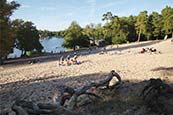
x=46 y=34
x=117 y=30
x=17 y=33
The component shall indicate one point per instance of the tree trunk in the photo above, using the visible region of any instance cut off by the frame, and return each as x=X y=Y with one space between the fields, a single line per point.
x=74 y=48
x=23 y=53
x=139 y=36
x=1 y=60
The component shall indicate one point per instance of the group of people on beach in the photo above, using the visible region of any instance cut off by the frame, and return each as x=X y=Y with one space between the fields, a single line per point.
x=148 y=50
x=67 y=61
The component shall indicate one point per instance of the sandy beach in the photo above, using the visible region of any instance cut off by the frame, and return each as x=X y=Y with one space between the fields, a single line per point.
x=39 y=82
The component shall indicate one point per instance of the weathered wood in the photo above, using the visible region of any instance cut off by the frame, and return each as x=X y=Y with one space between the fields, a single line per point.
x=82 y=90
x=38 y=111
x=19 y=110
x=57 y=110
x=100 y=84
x=92 y=94
x=27 y=104
x=66 y=93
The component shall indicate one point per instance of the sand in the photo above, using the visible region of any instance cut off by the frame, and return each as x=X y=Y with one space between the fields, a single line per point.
x=40 y=81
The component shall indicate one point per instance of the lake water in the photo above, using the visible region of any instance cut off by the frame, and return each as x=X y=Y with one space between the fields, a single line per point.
x=53 y=45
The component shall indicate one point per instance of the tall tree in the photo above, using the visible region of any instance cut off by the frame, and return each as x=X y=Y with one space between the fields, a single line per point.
x=27 y=36
x=141 y=24
x=157 y=25
x=120 y=31
x=167 y=14
x=115 y=25
x=94 y=32
x=131 y=28
x=108 y=17
x=99 y=32
x=7 y=34
x=75 y=37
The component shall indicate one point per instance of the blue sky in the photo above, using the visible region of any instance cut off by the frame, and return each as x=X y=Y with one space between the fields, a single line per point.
x=58 y=14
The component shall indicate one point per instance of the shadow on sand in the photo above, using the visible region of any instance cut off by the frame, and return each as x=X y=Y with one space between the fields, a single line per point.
x=44 y=89
x=165 y=71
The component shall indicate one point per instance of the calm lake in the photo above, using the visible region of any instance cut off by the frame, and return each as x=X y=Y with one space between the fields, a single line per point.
x=53 y=45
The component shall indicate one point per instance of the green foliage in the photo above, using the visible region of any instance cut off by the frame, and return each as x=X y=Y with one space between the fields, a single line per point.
x=131 y=20
x=90 y=31
x=119 y=29
x=75 y=37
x=108 y=17
x=141 y=24
x=45 y=34
x=132 y=28
x=94 y=32
x=7 y=33
x=60 y=33
x=167 y=14
x=27 y=36
x=156 y=25
x=99 y=32
x=119 y=39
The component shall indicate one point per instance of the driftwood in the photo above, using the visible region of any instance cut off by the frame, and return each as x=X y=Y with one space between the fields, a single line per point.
x=154 y=95
x=73 y=94
x=66 y=93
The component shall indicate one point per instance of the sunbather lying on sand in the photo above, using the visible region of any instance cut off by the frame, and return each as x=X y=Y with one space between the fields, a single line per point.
x=69 y=61
x=149 y=50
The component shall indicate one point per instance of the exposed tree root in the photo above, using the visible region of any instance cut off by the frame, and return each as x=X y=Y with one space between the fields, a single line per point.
x=66 y=93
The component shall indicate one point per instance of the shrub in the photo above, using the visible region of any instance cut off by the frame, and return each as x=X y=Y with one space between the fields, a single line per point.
x=119 y=40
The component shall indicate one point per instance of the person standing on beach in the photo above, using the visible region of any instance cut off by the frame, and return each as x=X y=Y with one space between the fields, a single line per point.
x=61 y=61
x=68 y=61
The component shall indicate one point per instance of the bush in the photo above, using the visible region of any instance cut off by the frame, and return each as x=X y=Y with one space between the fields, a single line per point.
x=119 y=40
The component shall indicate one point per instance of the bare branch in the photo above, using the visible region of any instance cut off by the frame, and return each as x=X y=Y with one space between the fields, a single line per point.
x=66 y=93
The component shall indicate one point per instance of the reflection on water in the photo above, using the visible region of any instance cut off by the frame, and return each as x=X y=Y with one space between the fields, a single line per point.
x=53 y=45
